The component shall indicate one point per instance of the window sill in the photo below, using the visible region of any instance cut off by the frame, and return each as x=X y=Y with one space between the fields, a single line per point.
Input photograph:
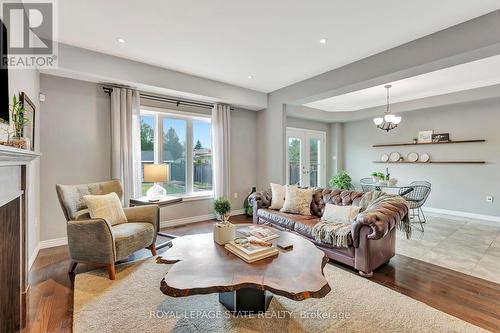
x=196 y=196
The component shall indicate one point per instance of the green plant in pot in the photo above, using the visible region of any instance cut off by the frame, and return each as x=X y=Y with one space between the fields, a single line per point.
x=378 y=176
x=341 y=181
x=222 y=207
x=18 y=119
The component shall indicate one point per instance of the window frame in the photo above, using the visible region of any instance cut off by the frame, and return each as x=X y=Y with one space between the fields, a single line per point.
x=305 y=135
x=159 y=115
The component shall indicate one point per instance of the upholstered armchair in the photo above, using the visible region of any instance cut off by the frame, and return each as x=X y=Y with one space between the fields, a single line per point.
x=96 y=240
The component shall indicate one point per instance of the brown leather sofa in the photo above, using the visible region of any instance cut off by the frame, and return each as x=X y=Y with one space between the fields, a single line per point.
x=372 y=242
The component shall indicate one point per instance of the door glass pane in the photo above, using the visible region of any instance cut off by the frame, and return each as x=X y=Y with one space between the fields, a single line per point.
x=202 y=156
x=314 y=162
x=294 y=160
x=147 y=146
x=174 y=154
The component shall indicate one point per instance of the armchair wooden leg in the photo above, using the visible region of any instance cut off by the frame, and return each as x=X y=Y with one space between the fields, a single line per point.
x=111 y=271
x=72 y=267
x=152 y=247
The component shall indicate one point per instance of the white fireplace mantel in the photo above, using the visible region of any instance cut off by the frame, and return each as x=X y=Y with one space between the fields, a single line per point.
x=10 y=156
x=16 y=156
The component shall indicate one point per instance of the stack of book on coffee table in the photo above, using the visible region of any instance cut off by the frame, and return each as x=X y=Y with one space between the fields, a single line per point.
x=260 y=232
x=251 y=252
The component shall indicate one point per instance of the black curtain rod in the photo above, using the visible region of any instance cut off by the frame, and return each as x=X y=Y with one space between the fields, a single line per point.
x=177 y=102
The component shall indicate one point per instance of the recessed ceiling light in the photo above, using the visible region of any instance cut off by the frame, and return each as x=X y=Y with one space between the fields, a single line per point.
x=121 y=40
x=323 y=40
x=250 y=77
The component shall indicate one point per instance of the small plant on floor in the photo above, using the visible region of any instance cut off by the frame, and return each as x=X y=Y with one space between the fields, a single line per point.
x=341 y=181
x=222 y=207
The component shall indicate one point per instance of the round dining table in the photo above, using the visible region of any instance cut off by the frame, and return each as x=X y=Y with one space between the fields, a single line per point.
x=393 y=188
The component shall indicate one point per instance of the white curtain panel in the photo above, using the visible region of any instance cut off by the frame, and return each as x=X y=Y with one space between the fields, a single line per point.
x=125 y=141
x=221 y=127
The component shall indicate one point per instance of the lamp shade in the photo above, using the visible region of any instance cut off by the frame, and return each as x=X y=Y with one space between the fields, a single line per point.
x=389 y=118
x=156 y=173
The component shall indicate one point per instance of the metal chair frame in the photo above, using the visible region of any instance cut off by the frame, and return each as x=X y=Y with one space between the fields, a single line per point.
x=366 y=184
x=416 y=199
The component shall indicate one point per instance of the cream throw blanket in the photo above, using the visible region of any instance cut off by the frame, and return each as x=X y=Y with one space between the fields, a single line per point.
x=337 y=234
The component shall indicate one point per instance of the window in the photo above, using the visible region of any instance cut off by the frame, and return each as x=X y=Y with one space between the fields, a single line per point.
x=202 y=156
x=147 y=146
x=174 y=154
x=182 y=141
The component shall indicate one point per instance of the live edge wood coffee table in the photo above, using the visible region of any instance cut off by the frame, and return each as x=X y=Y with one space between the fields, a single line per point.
x=203 y=267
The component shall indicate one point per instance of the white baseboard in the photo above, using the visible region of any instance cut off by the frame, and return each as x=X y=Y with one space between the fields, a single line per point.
x=186 y=220
x=53 y=242
x=461 y=214
x=45 y=245
x=33 y=256
x=194 y=219
x=237 y=212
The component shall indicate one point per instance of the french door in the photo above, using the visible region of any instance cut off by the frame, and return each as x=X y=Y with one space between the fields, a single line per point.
x=305 y=157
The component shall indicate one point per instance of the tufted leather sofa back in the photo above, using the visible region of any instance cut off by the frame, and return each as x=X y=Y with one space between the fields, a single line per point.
x=337 y=197
x=321 y=197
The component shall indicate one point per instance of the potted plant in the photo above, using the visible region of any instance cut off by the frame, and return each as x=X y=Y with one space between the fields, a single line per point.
x=222 y=207
x=341 y=181
x=377 y=177
x=223 y=231
x=18 y=120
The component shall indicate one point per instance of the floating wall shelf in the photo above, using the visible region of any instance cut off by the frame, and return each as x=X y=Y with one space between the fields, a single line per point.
x=427 y=143
x=434 y=162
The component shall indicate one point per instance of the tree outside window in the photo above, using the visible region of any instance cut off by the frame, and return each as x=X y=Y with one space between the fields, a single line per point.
x=174 y=131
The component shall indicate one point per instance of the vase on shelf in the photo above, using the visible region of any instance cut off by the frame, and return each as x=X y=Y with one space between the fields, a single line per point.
x=247 y=207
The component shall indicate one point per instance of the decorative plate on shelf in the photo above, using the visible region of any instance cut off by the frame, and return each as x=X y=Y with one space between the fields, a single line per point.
x=412 y=157
x=424 y=157
x=394 y=157
x=384 y=158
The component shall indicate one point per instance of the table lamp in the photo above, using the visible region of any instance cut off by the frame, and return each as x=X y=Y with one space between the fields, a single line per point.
x=156 y=173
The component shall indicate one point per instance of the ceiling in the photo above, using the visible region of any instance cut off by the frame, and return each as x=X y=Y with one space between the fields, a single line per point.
x=476 y=74
x=276 y=42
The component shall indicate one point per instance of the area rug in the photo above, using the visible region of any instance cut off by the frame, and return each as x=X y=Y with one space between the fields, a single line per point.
x=134 y=303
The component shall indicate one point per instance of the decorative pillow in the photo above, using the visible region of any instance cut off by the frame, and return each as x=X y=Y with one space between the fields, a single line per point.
x=297 y=200
x=340 y=214
x=107 y=207
x=278 y=196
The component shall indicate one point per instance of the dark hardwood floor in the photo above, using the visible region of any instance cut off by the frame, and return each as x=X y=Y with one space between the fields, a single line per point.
x=50 y=298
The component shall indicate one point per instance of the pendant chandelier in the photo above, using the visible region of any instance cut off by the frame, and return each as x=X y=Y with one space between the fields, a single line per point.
x=388 y=121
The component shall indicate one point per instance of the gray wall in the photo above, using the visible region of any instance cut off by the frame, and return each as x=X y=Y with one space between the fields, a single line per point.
x=336 y=152
x=75 y=144
x=76 y=149
x=457 y=187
